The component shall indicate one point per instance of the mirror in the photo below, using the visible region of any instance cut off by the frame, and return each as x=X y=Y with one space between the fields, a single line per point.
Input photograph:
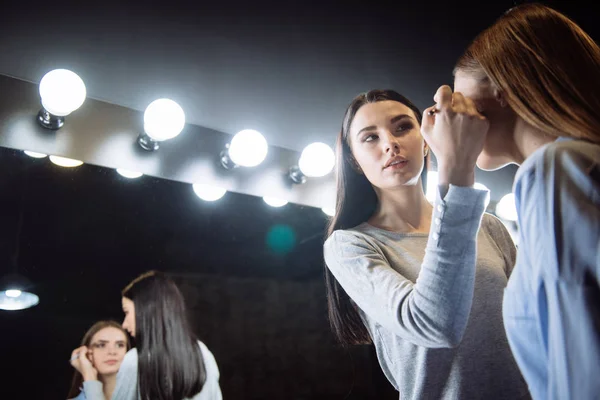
x=252 y=276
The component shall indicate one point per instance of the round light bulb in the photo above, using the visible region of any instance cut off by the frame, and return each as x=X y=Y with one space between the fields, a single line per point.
x=274 y=201
x=329 y=211
x=248 y=148
x=506 y=208
x=481 y=186
x=65 y=162
x=208 y=192
x=62 y=92
x=432 y=186
x=129 y=174
x=317 y=159
x=13 y=293
x=163 y=119
x=34 y=154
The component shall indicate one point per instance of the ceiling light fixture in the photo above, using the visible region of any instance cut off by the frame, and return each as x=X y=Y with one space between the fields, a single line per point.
x=317 y=160
x=248 y=148
x=208 y=192
x=164 y=119
x=61 y=92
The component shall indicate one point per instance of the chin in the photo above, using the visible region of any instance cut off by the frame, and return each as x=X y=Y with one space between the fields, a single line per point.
x=488 y=162
x=109 y=371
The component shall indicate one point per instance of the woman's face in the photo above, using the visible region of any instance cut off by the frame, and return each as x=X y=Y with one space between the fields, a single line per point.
x=107 y=349
x=499 y=143
x=129 y=321
x=386 y=142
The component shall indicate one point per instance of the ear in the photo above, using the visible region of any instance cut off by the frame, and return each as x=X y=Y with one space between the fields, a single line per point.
x=500 y=97
x=425 y=149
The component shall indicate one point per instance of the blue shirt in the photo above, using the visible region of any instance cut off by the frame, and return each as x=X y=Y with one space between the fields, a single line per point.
x=552 y=301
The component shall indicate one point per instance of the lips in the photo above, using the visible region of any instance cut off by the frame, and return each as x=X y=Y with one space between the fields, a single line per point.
x=111 y=362
x=395 y=162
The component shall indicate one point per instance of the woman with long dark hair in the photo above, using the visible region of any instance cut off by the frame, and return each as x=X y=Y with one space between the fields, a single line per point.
x=421 y=282
x=169 y=362
x=104 y=345
x=535 y=74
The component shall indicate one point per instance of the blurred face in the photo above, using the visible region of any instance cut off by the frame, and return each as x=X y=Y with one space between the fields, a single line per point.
x=107 y=349
x=500 y=141
x=129 y=321
x=386 y=142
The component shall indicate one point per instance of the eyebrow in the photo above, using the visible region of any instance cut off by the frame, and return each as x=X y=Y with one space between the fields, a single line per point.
x=393 y=120
x=102 y=341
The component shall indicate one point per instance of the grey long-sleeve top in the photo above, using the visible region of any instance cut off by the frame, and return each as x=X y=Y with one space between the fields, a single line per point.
x=432 y=303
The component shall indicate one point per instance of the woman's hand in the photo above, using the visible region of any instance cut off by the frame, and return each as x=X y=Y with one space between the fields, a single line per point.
x=81 y=362
x=455 y=131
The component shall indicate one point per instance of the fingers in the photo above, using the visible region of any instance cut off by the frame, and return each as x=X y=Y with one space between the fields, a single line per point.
x=459 y=105
x=443 y=97
x=428 y=120
x=471 y=109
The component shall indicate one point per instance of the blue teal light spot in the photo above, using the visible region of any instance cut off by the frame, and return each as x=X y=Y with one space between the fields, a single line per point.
x=281 y=239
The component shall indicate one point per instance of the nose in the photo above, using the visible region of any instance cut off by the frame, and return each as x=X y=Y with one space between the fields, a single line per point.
x=112 y=349
x=390 y=143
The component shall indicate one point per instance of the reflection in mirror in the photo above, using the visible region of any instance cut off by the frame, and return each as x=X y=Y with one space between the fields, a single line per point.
x=251 y=275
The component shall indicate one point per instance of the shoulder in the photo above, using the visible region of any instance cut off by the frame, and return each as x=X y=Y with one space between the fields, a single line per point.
x=210 y=363
x=499 y=235
x=349 y=242
x=492 y=225
x=356 y=236
x=128 y=367
x=567 y=157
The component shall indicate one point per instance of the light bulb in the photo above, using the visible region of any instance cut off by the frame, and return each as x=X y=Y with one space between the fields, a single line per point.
x=274 y=201
x=34 y=154
x=248 y=148
x=481 y=186
x=317 y=159
x=129 y=174
x=163 y=119
x=329 y=211
x=62 y=92
x=432 y=186
x=506 y=208
x=13 y=293
x=11 y=302
x=208 y=192
x=65 y=162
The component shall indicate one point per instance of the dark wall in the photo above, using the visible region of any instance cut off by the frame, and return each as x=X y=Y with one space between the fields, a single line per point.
x=251 y=275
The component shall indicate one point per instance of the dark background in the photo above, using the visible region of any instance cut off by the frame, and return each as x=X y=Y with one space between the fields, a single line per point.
x=252 y=275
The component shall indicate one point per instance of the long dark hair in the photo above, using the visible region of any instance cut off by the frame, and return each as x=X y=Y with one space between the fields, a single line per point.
x=77 y=380
x=356 y=201
x=170 y=363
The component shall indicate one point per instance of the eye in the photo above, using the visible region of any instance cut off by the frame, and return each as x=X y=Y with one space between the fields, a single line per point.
x=370 y=138
x=404 y=127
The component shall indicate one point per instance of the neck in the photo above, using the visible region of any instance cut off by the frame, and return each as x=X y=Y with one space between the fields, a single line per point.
x=404 y=210
x=528 y=140
x=108 y=384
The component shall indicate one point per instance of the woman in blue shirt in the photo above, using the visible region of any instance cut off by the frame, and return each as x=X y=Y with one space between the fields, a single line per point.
x=104 y=345
x=535 y=75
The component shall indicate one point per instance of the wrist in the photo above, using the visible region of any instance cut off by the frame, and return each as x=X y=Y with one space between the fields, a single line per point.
x=456 y=175
x=90 y=376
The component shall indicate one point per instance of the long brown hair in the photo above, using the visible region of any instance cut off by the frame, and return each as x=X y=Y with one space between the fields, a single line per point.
x=77 y=381
x=356 y=201
x=547 y=67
